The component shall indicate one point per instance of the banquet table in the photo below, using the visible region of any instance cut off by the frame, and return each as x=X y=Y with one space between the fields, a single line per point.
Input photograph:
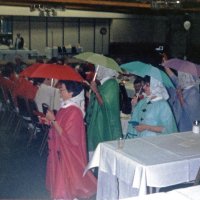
x=9 y=55
x=188 y=193
x=159 y=161
x=125 y=118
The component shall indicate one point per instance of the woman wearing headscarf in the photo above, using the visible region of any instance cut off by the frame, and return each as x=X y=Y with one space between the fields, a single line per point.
x=67 y=157
x=103 y=112
x=186 y=101
x=153 y=113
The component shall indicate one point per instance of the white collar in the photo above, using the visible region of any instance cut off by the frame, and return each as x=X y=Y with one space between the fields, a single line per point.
x=105 y=79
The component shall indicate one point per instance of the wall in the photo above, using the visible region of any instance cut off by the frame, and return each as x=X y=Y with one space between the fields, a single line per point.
x=165 y=29
x=139 y=29
x=73 y=27
x=40 y=32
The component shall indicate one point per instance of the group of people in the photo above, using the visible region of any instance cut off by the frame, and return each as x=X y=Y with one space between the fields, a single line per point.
x=77 y=128
x=164 y=110
x=68 y=140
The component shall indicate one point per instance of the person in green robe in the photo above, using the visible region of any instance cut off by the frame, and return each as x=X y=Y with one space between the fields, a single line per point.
x=103 y=112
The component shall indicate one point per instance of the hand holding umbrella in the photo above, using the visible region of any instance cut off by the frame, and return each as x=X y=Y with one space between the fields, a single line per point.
x=94 y=88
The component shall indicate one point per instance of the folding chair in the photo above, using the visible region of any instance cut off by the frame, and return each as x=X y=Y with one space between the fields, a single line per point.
x=24 y=115
x=64 y=50
x=4 y=104
x=60 y=51
x=37 y=125
x=9 y=108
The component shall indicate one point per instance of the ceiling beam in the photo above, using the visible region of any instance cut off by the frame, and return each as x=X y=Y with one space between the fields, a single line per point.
x=121 y=6
x=127 y=4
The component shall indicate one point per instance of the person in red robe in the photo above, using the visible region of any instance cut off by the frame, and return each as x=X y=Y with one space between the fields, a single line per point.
x=6 y=83
x=67 y=156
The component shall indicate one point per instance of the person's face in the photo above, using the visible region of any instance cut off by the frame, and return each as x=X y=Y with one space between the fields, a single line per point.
x=137 y=87
x=64 y=94
x=146 y=88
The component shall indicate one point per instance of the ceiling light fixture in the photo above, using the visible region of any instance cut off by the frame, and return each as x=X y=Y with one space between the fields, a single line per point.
x=46 y=10
x=166 y=4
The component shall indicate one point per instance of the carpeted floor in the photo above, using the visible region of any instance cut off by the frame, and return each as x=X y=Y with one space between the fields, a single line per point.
x=22 y=169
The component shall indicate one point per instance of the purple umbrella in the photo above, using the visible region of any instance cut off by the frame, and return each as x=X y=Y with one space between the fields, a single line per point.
x=183 y=66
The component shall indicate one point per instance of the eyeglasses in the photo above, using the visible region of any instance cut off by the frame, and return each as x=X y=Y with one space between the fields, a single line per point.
x=61 y=90
x=147 y=85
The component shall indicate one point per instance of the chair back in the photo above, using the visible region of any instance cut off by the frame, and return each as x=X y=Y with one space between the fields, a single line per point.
x=64 y=50
x=2 y=96
x=60 y=50
x=32 y=109
x=23 y=107
x=74 y=51
x=11 y=100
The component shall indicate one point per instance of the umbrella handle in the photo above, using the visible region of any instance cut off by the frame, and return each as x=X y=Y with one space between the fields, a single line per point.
x=137 y=96
x=95 y=73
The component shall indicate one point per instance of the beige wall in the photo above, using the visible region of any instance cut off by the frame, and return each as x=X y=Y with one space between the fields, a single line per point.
x=62 y=31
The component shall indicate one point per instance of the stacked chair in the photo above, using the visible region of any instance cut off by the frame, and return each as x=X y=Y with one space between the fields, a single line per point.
x=8 y=108
x=28 y=115
x=37 y=125
x=19 y=113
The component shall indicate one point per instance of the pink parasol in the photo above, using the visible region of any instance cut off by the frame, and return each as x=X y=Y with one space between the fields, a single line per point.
x=183 y=66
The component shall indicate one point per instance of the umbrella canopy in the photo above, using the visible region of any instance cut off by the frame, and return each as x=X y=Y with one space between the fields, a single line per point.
x=60 y=72
x=98 y=59
x=142 y=69
x=183 y=66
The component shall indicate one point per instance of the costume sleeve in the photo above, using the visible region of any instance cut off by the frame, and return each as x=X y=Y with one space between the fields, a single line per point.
x=131 y=132
x=166 y=118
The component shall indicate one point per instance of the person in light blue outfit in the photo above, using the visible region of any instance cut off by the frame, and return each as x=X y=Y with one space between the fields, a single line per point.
x=153 y=113
x=186 y=104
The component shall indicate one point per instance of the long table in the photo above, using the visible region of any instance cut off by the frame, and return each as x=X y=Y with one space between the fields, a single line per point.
x=189 y=193
x=159 y=161
x=9 y=55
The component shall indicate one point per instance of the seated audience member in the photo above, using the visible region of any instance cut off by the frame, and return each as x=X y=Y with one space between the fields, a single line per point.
x=19 y=64
x=53 y=60
x=47 y=94
x=67 y=156
x=6 y=80
x=153 y=113
x=13 y=75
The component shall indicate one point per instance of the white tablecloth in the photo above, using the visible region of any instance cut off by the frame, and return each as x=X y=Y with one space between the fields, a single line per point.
x=189 y=193
x=152 y=161
x=124 y=122
x=9 y=55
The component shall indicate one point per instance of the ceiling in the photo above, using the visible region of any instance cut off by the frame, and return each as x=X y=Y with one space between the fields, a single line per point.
x=122 y=6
